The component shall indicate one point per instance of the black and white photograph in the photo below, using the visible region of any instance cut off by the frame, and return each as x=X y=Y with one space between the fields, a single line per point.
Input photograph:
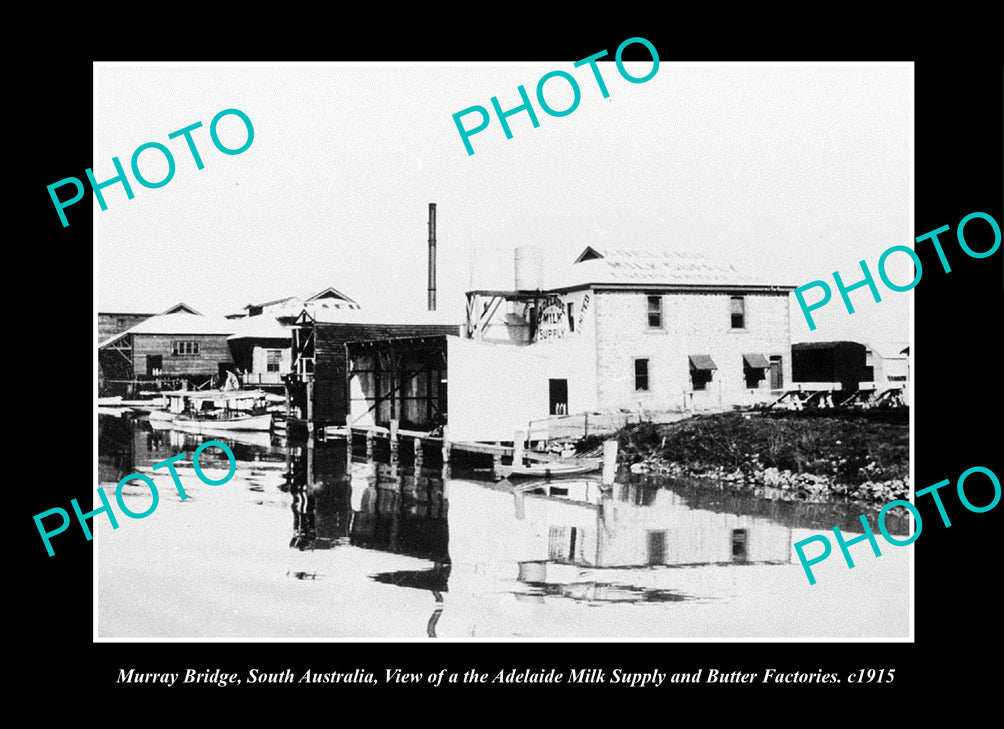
x=575 y=366
x=488 y=388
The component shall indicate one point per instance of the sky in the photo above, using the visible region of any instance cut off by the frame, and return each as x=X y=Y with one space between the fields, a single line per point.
x=796 y=170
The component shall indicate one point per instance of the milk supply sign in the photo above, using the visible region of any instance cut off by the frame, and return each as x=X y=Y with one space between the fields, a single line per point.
x=552 y=321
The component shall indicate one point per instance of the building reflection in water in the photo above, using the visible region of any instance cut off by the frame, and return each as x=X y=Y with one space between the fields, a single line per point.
x=127 y=445
x=371 y=506
x=576 y=524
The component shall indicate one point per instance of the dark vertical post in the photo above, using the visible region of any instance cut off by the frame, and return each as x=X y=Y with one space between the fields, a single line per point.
x=432 y=256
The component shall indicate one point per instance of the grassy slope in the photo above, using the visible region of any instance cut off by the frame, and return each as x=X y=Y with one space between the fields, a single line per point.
x=848 y=448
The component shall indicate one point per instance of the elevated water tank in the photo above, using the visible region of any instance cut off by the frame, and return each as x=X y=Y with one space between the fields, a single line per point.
x=529 y=268
x=490 y=269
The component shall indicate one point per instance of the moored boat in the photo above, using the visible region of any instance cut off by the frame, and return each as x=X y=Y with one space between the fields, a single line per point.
x=236 y=422
x=550 y=469
x=216 y=410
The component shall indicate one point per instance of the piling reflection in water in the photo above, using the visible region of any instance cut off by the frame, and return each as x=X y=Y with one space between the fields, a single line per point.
x=372 y=506
x=560 y=543
x=319 y=483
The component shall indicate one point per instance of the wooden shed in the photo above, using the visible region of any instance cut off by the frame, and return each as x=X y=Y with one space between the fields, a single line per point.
x=166 y=350
x=318 y=388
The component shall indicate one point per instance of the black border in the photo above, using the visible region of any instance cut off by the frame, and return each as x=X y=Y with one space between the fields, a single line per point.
x=958 y=125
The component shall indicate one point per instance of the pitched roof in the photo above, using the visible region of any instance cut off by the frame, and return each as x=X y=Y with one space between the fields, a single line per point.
x=259 y=327
x=617 y=266
x=180 y=323
x=293 y=305
x=180 y=307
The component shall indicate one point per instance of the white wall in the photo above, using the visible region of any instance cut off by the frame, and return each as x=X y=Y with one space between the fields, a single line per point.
x=493 y=390
x=692 y=324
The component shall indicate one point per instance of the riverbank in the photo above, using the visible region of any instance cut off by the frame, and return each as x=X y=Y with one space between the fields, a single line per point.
x=805 y=456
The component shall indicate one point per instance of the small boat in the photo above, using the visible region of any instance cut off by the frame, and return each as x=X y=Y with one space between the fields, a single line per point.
x=215 y=410
x=232 y=422
x=145 y=405
x=114 y=401
x=550 y=469
x=115 y=412
x=162 y=415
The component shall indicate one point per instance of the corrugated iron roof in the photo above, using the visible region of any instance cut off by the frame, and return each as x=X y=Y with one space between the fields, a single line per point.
x=656 y=267
x=180 y=323
x=259 y=327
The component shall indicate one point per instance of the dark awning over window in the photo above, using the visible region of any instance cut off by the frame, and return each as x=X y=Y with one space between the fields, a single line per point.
x=702 y=362
x=756 y=361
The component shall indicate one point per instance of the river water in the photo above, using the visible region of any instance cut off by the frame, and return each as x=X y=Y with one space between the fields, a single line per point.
x=310 y=541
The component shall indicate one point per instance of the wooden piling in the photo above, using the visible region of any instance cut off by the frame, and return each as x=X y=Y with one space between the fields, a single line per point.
x=369 y=444
x=517 y=448
x=393 y=441
x=418 y=452
x=446 y=446
x=310 y=463
x=609 y=461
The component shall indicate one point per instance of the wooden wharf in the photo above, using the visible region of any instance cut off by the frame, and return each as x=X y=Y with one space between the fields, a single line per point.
x=382 y=433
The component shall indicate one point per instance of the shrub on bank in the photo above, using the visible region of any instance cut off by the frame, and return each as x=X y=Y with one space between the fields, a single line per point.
x=856 y=457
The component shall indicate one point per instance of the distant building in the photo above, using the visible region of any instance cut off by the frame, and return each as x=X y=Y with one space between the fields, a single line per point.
x=287 y=309
x=111 y=323
x=261 y=342
x=838 y=364
x=888 y=364
x=165 y=351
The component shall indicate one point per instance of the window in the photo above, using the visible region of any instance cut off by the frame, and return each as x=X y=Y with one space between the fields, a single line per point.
x=700 y=379
x=641 y=375
x=739 y=541
x=655 y=312
x=755 y=368
x=185 y=348
x=272 y=359
x=571 y=320
x=702 y=367
x=737 y=310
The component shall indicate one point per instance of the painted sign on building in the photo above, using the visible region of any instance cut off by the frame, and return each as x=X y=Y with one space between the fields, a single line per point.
x=552 y=322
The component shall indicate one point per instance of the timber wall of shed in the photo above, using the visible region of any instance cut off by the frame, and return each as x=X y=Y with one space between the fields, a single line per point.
x=213 y=349
x=331 y=400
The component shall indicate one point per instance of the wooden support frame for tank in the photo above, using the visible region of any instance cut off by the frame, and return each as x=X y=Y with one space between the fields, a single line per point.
x=476 y=321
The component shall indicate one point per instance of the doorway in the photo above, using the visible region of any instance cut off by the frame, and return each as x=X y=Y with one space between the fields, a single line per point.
x=558 y=390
